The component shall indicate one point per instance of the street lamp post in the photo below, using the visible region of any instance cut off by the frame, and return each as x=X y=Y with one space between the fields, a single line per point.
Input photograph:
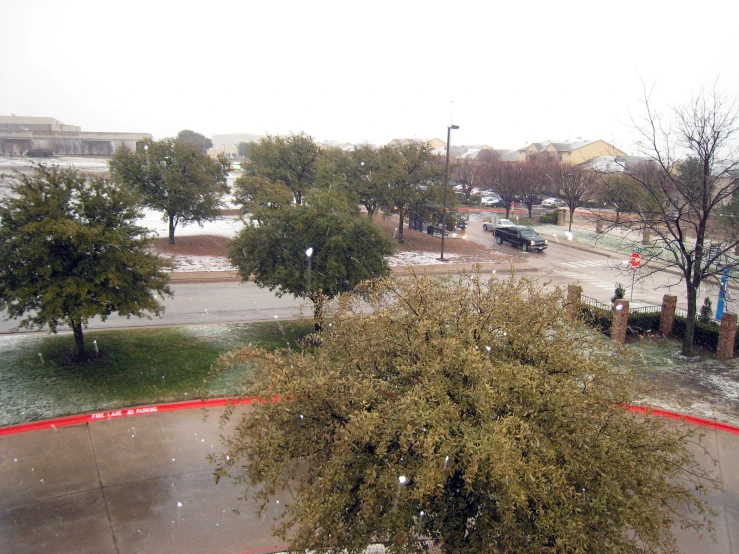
x=446 y=185
x=309 y=255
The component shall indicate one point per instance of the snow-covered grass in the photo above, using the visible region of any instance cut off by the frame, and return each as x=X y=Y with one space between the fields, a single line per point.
x=38 y=380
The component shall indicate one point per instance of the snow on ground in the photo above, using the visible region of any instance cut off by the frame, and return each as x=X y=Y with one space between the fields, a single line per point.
x=227 y=226
x=81 y=163
x=184 y=264
x=417 y=258
x=230 y=225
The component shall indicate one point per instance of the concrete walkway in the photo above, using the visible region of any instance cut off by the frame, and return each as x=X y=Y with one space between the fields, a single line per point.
x=143 y=484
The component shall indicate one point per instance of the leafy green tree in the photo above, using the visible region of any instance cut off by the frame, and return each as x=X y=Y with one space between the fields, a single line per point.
x=314 y=251
x=195 y=140
x=291 y=160
x=243 y=149
x=359 y=172
x=70 y=250
x=255 y=194
x=464 y=411
x=407 y=172
x=173 y=178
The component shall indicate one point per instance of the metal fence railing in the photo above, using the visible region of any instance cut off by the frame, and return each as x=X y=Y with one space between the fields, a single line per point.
x=645 y=310
x=589 y=301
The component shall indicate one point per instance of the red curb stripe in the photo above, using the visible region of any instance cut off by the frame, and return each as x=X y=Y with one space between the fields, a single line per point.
x=216 y=402
x=123 y=412
x=711 y=424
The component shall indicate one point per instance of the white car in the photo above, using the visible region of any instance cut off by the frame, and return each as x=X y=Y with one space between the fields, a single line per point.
x=490 y=201
x=552 y=203
x=488 y=225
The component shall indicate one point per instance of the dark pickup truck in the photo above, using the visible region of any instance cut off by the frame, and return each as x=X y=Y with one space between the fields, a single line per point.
x=523 y=237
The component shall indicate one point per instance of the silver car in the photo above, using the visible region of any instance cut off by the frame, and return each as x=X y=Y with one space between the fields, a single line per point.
x=552 y=203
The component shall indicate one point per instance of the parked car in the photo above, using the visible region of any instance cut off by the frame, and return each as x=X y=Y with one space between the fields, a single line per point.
x=491 y=201
x=552 y=203
x=522 y=237
x=502 y=222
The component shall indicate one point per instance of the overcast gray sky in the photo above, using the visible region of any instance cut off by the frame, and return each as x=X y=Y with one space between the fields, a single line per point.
x=517 y=72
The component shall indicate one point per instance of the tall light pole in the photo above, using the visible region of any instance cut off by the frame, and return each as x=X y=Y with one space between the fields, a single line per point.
x=446 y=185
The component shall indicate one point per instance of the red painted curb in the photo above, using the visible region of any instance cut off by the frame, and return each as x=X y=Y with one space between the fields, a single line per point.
x=124 y=412
x=686 y=418
x=216 y=402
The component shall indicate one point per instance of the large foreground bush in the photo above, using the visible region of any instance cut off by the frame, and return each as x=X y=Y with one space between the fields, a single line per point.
x=465 y=412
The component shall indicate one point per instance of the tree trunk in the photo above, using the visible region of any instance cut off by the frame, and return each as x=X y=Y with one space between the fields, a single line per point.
x=171 y=229
x=572 y=215
x=318 y=302
x=687 y=349
x=79 y=338
x=400 y=224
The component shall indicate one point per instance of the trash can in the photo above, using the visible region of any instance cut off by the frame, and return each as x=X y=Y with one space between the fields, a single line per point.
x=430 y=229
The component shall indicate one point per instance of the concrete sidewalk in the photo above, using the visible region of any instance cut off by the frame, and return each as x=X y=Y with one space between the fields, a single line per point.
x=142 y=484
x=137 y=484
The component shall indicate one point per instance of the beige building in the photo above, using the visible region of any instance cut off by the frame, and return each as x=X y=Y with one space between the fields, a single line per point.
x=573 y=153
x=433 y=143
x=46 y=136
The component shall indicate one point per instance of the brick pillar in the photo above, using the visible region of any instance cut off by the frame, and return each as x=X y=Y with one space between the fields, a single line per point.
x=620 y=321
x=667 y=315
x=726 y=335
x=646 y=236
x=574 y=299
x=561 y=216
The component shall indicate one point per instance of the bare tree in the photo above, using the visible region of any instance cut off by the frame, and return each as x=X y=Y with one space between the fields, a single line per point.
x=575 y=185
x=531 y=185
x=508 y=179
x=687 y=191
x=468 y=174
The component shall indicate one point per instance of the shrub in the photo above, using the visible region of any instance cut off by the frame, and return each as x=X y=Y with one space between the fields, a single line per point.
x=549 y=218
x=706 y=315
x=618 y=293
x=648 y=321
x=597 y=317
x=705 y=334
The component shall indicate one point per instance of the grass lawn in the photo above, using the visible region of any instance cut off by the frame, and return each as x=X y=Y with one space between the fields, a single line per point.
x=148 y=366
x=135 y=367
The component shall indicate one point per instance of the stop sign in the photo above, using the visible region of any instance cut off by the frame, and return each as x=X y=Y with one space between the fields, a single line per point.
x=635 y=260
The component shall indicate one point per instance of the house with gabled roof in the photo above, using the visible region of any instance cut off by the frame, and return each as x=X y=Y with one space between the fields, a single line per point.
x=433 y=143
x=569 y=152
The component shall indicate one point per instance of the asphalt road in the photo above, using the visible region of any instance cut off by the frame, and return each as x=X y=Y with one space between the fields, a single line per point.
x=563 y=263
x=199 y=303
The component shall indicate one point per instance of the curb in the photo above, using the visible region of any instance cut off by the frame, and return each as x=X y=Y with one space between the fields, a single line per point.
x=217 y=402
x=123 y=412
x=195 y=277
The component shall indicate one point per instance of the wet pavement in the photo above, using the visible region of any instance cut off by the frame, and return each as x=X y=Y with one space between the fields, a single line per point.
x=139 y=484
x=143 y=484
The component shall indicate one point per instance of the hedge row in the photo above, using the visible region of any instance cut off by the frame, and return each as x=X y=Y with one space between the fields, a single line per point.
x=705 y=334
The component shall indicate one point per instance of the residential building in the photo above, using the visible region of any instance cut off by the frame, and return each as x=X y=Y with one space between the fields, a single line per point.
x=573 y=153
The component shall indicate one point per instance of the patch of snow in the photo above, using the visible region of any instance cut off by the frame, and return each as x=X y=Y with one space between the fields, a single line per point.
x=227 y=226
x=417 y=258
x=185 y=264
